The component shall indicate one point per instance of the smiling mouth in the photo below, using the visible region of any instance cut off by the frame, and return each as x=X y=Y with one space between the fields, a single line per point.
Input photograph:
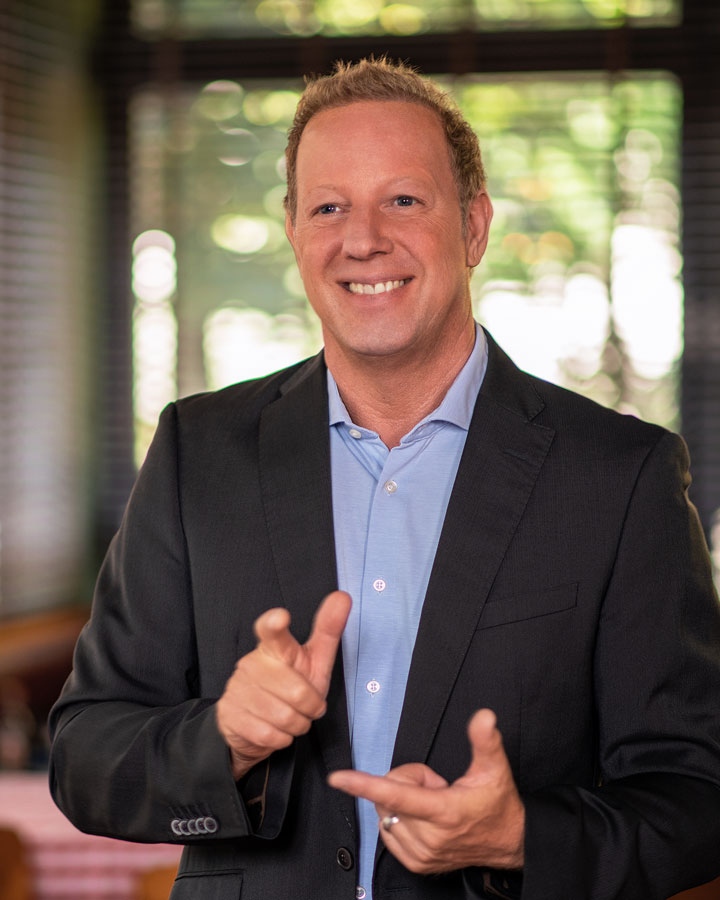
x=382 y=287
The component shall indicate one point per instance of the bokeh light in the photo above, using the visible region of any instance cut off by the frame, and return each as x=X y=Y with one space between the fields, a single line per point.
x=337 y=17
x=154 y=332
x=242 y=343
x=220 y=100
x=647 y=298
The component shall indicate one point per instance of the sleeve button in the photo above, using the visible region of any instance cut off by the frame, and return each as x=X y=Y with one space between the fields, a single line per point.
x=211 y=825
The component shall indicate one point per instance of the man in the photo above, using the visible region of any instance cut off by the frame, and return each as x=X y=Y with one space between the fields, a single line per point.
x=520 y=561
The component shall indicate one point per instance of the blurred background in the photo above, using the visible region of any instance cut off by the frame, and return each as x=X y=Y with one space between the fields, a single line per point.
x=142 y=252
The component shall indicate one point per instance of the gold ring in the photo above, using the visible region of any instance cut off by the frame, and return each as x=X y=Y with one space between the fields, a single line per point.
x=387 y=822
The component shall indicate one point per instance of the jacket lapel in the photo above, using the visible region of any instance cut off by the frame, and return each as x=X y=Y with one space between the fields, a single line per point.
x=503 y=454
x=295 y=482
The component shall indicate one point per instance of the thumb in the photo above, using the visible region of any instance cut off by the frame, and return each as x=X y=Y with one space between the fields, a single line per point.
x=488 y=753
x=321 y=647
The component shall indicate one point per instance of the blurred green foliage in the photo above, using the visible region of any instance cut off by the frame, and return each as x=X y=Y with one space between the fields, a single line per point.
x=348 y=17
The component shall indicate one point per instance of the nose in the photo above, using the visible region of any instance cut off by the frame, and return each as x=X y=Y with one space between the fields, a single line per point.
x=366 y=234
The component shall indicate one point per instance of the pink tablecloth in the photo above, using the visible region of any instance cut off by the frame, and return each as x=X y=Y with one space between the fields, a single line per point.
x=67 y=864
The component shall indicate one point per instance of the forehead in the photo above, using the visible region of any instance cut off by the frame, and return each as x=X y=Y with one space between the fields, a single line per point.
x=389 y=134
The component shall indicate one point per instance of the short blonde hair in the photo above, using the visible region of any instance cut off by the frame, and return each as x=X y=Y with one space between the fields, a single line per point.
x=383 y=79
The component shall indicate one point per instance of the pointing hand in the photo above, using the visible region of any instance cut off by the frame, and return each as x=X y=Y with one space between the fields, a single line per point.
x=279 y=688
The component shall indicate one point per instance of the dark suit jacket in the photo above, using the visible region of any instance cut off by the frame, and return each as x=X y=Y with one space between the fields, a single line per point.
x=571 y=593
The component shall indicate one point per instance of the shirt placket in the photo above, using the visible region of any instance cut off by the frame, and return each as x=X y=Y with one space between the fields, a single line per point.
x=378 y=700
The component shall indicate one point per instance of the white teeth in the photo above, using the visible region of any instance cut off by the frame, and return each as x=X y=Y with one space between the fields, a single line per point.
x=379 y=288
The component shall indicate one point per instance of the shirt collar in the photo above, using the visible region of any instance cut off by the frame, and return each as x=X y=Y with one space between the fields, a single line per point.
x=456 y=406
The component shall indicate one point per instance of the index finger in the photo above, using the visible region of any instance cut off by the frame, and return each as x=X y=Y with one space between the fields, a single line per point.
x=401 y=797
x=272 y=629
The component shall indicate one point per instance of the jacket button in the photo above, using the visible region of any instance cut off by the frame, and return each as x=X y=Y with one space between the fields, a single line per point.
x=344 y=858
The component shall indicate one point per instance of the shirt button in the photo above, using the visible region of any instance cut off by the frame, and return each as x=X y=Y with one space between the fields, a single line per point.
x=390 y=487
x=354 y=433
x=373 y=686
x=379 y=584
x=344 y=858
x=360 y=892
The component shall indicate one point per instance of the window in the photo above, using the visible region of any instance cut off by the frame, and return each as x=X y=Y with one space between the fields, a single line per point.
x=584 y=249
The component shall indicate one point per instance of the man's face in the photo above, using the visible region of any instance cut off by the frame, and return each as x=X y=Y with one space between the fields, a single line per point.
x=378 y=233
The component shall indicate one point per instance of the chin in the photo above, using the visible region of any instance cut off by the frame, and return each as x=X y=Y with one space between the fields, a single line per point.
x=379 y=349
x=389 y=338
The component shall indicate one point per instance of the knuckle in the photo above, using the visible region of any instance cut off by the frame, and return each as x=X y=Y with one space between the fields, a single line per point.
x=283 y=740
x=417 y=865
x=285 y=718
x=435 y=844
x=290 y=721
x=425 y=856
x=296 y=693
x=264 y=735
x=257 y=665
x=242 y=673
x=303 y=725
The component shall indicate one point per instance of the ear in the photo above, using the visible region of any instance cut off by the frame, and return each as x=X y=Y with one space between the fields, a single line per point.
x=477 y=228
x=290 y=230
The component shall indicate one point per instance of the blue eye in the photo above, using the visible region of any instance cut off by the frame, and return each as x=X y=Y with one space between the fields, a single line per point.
x=404 y=200
x=327 y=208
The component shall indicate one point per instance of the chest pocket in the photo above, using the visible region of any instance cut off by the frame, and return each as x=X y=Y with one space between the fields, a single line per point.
x=507 y=609
x=208 y=886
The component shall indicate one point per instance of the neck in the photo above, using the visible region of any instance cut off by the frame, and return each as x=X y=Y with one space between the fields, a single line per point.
x=390 y=396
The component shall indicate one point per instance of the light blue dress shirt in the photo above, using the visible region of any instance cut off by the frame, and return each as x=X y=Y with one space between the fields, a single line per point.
x=389 y=507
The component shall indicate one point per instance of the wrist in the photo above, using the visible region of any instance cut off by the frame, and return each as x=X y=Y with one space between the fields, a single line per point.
x=240 y=765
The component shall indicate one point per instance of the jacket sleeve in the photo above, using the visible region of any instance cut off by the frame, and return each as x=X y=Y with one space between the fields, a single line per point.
x=136 y=752
x=652 y=826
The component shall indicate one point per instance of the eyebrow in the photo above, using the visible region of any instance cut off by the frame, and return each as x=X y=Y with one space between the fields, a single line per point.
x=400 y=179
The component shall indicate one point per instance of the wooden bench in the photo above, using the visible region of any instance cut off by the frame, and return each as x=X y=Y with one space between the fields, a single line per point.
x=15 y=876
